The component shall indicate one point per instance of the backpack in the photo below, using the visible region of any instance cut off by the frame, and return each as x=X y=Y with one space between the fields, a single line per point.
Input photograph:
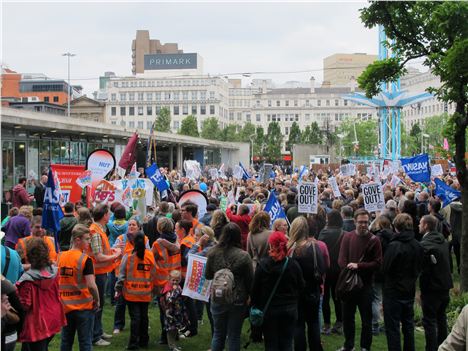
x=222 y=287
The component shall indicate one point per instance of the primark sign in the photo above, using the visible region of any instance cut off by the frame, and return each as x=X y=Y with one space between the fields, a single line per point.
x=170 y=61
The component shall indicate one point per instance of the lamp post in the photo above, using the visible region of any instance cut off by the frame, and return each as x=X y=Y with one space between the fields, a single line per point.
x=251 y=149
x=423 y=135
x=341 y=136
x=68 y=54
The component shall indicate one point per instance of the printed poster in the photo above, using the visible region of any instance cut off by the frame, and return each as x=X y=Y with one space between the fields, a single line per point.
x=196 y=285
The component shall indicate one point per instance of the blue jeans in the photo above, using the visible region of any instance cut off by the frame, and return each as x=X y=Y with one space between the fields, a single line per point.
x=81 y=322
x=101 y=285
x=395 y=311
x=227 y=322
x=376 y=306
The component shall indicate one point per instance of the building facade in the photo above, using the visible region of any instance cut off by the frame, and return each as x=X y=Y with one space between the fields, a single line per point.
x=340 y=69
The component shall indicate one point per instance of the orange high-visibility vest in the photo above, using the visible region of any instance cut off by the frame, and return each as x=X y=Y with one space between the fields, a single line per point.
x=195 y=224
x=74 y=292
x=47 y=239
x=165 y=263
x=128 y=249
x=140 y=277
x=188 y=242
x=100 y=267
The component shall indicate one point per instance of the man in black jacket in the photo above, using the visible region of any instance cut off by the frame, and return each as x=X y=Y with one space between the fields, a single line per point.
x=435 y=282
x=401 y=267
x=39 y=191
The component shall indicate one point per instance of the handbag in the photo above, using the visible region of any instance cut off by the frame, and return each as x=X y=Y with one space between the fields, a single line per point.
x=256 y=315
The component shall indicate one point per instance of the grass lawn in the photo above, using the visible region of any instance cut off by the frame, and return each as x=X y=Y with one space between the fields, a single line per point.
x=202 y=341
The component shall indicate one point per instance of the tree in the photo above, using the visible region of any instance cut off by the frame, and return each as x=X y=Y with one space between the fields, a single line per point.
x=295 y=136
x=246 y=132
x=414 y=140
x=210 y=129
x=312 y=134
x=273 y=142
x=229 y=133
x=367 y=141
x=189 y=126
x=437 y=32
x=259 y=142
x=163 y=121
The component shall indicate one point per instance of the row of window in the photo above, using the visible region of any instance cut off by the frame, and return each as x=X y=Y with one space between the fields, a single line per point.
x=54 y=99
x=141 y=124
x=176 y=110
x=163 y=96
x=164 y=83
x=439 y=107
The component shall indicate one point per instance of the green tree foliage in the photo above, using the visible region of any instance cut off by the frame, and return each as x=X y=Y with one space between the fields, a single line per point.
x=163 y=121
x=259 y=142
x=295 y=136
x=229 y=133
x=437 y=32
x=273 y=142
x=210 y=129
x=368 y=141
x=246 y=132
x=312 y=134
x=189 y=126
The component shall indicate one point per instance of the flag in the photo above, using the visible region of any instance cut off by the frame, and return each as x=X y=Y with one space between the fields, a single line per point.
x=445 y=193
x=303 y=172
x=51 y=210
x=129 y=154
x=156 y=177
x=245 y=175
x=446 y=144
x=273 y=208
x=417 y=168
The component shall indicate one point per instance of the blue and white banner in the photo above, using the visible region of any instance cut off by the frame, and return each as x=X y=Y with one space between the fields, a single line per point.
x=245 y=174
x=445 y=193
x=273 y=208
x=417 y=168
x=51 y=210
x=303 y=172
x=156 y=177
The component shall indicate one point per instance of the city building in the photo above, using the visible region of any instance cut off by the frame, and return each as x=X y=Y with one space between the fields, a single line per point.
x=142 y=45
x=88 y=109
x=340 y=69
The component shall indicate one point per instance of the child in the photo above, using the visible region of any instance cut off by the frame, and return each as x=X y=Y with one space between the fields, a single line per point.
x=173 y=305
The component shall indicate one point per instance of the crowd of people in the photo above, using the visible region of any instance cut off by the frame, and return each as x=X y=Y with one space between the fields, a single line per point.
x=291 y=269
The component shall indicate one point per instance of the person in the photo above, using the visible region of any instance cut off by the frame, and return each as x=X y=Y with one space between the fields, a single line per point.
x=242 y=218
x=360 y=250
x=14 y=316
x=175 y=315
x=78 y=291
x=11 y=267
x=11 y=213
x=66 y=225
x=348 y=221
x=443 y=226
x=228 y=318
x=103 y=258
x=18 y=227
x=307 y=253
x=257 y=239
x=391 y=209
x=118 y=225
x=83 y=215
x=20 y=195
x=400 y=197
x=150 y=227
x=218 y=221
x=136 y=283
x=401 y=267
x=457 y=340
x=280 y=225
x=38 y=292
x=189 y=213
x=126 y=243
x=36 y=232
x=455 y=220
x=332 y=235
x=278 y=326
x=435 y=282
x=39 y=191
x=410 y=207
x=206 y=219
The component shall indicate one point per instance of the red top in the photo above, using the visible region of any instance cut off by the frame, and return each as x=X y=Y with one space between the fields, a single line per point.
x=243 y=222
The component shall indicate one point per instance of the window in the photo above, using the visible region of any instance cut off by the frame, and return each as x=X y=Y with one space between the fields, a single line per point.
x=123 y=111
x=176 y=109
x=123 y=123
x=56 y=99
x=140 y=124
x=258 y=103
x=336 y=116
x=307 y=103
x=269 y=103
x=336 y=103
x=149 y=96
x=131 y=124
x=273 y=117
x=157 y=96
x=203 y=109
x=176 y=125
x=149 y=124
x=297 y=117
x=194 y=109
x=149 y=110
x=286 y=129
x=231 y=116
x=212 y=109
x=346 y=102
x=140 y=96
x=268 y=118
x=113 y=97
x=239 y=116
x=167 y=96
x=113 y=111
x=158 y=110
x=116 y=84
x=202 y=95
x=247 y=117
x=307 y=117
x=327 y=102
x=46 y=99
x=185 y=95
x=194 y=95
x=286 y=103
x=114 y=122
x=212 y=95
x=257 y=117
x=185 y=109
x=131 y=111
x=295 y=102
x=131 y=96
x=176 y=96
x=278 y=103
x=140 y=110
x=319 y=102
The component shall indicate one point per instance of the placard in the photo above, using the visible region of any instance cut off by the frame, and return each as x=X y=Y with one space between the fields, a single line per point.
x=334 y=186
x=373 y=197
x=307 y=198
x=436 y=170
x=196 y=285
x=348 y=170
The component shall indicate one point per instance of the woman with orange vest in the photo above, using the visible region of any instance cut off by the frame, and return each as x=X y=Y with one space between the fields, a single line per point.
x=136 y=283
x=126 y=243
x=36 y=232
x=166 y=252
x=78 y=290
x=104 y=259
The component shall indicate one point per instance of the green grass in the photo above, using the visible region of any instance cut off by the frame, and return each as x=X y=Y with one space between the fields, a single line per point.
x=202 y=341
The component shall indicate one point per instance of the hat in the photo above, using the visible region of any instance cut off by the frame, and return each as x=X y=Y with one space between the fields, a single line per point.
x=391 y=204
x=211 y=207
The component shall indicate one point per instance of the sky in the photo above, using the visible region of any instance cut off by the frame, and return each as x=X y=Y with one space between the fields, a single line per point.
x=231 y=37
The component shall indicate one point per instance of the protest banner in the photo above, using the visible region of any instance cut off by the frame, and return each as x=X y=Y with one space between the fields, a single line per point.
x=156 y=177
x=51 y=210
x=436 y=170
x=445 y=193
x=334 y=186
x=273 y=208
x=192 y=169
x=395 y=181
x=348 y=170
x=67 y=176
x=245 y=174
x=373 y=197
x=196 y=286
x=307 y=198
x=213 y=173
x=197 y=197
x=237 y=172
x=84 y=179
x=417 y=168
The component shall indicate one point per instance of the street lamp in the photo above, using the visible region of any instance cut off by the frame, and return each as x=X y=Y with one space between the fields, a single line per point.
x=341 y=136
x=423 y=135
x=251 y=149
x=69 y=87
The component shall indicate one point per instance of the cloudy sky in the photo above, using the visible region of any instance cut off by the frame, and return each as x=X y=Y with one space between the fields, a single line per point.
x=231 y=37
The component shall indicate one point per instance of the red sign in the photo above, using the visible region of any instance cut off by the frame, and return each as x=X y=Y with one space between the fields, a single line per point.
x=67 y=175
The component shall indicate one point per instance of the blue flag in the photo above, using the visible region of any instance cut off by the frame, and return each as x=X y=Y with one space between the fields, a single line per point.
x=51 y=210
x=245 y=175
x=156 y=177
x=273 y=208
x=417 y=168
x=445 y=193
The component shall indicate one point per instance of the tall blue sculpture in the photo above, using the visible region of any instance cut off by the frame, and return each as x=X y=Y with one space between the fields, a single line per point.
x=389 y=103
